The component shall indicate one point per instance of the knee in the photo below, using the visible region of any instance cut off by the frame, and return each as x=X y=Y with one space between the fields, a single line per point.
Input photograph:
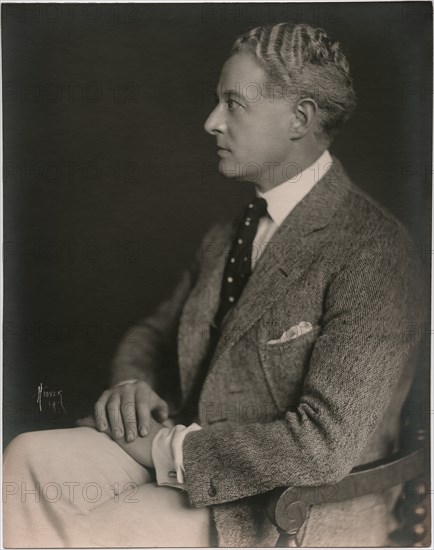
x=23 y=446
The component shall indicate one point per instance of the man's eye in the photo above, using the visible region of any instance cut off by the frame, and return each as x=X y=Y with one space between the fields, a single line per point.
x=232 y=104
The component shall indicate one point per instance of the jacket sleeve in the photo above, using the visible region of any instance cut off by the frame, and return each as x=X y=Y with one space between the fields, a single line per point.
x=148 y=351
x=373 y=318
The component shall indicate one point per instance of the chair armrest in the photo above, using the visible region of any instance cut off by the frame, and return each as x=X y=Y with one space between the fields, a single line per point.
x=287 y=507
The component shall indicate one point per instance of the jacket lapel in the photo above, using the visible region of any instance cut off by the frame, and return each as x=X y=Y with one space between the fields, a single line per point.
x=201 y=305
x=289 y=252
x=291 y=249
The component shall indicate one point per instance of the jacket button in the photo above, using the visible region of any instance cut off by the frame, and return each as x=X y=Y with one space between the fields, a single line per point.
x=212 y=491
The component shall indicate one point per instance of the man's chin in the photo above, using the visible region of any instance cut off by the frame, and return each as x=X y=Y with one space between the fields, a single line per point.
x=232 y=170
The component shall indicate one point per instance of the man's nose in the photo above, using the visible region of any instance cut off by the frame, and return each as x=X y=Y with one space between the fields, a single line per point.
x=215 y=122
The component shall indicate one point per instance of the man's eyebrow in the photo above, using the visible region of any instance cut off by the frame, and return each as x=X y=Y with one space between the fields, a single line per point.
x=227 y=93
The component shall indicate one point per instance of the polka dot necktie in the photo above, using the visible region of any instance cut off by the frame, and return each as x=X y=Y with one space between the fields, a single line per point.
x=237 y=271
x=239 y=263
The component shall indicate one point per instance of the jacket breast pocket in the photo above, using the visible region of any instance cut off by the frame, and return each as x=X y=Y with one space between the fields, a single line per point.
x=285 y=365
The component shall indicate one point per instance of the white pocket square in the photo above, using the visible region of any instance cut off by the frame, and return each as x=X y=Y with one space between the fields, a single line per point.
x=294 y=332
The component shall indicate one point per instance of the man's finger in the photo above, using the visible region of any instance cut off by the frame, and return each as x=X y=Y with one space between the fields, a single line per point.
x=143 y=415
x=128 y=411
x=114 y=414
x=100 y=411
x=90 y=422
x=86 y=422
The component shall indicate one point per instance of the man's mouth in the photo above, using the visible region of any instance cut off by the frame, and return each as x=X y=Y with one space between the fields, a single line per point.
x=222 y=151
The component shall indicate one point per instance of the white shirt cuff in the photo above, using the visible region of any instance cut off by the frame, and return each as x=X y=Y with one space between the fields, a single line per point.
x=167 y=454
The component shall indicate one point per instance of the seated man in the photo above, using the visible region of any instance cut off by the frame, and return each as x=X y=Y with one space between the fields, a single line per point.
x=282 y=358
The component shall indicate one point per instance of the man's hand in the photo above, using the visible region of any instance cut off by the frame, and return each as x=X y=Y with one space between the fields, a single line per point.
x=141 y=448
x=129 y=408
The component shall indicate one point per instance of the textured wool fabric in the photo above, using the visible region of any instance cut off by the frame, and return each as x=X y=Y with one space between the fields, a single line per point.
x=304 y=411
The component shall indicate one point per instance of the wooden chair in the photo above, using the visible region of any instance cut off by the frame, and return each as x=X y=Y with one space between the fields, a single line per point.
x=287 y=507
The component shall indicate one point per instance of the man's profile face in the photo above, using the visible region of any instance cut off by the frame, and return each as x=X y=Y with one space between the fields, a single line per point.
x=253 y=129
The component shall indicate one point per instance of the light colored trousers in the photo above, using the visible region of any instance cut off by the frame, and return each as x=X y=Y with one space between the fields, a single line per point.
x=78 y=488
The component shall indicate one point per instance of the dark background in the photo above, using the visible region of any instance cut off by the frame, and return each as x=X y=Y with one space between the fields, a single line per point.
x=110 y=180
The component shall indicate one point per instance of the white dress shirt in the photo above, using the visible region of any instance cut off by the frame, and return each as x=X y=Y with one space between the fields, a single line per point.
x=281 y=200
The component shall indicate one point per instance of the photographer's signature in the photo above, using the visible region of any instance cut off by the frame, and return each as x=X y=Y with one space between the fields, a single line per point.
x=53 y=398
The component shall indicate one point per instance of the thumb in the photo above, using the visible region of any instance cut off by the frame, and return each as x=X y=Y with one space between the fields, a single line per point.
x=161 y=410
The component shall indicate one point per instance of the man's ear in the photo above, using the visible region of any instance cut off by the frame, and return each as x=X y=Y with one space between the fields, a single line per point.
x=305 y=112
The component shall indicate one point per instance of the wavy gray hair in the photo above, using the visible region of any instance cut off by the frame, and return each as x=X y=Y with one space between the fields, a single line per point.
x=306 y=63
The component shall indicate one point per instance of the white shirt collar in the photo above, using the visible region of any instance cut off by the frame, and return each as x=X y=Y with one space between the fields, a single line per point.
x=284 y=197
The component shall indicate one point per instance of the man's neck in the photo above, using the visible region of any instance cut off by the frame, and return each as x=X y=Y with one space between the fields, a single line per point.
x=291 y=169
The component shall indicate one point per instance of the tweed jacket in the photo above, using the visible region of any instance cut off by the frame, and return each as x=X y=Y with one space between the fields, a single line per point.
x=303 y=411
